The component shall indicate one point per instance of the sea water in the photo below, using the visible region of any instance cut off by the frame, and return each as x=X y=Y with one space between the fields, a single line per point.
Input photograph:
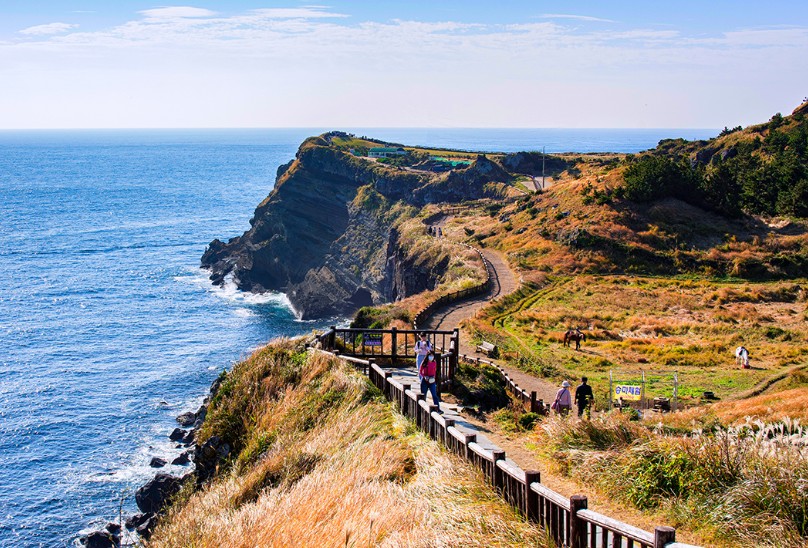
x=109 y=329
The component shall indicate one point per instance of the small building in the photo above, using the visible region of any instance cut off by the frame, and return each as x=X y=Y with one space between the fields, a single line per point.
x=386 y=152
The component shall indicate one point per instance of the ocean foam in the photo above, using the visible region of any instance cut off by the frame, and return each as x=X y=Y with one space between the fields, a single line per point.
x=230 y=291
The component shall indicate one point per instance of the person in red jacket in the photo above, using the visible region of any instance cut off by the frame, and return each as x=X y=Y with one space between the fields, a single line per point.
x=428 y=372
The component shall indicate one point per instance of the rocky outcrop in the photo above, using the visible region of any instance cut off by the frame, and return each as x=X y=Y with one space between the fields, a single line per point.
x=152 y=497
x=323 y=234
x=404 y=276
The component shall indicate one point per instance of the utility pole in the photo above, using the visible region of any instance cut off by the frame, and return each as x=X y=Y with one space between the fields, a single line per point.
x=542 y=167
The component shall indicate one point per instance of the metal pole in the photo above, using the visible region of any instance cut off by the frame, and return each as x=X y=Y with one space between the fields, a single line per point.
x=642 y=392
x=542 y=167
x=610 y=390
x=675 y=390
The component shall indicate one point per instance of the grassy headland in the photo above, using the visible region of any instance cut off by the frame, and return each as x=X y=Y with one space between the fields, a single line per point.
x=319 y=458
x=667 y=260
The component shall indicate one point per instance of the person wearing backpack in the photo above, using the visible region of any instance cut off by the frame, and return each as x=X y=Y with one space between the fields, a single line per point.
x=422 y=349
x=563 y=401
x=428 y=373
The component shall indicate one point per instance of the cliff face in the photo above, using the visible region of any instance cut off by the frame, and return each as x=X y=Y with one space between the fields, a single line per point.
x=323 y=235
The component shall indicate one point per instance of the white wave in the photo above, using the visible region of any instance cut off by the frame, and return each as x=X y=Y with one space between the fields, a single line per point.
x=243 y=312
x=138 y=470
x=230 y=291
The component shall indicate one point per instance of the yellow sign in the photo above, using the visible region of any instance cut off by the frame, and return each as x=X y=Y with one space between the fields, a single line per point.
x=627 y=391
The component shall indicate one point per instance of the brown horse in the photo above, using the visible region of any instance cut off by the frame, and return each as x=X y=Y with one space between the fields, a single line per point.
x=574 y=335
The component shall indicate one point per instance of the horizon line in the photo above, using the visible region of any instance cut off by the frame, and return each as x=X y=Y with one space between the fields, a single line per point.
x=336 y=129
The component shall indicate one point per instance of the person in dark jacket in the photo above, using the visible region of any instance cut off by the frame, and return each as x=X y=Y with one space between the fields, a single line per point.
x=583 y=397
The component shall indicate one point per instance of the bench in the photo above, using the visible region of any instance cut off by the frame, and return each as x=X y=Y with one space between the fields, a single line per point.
x=489 y=349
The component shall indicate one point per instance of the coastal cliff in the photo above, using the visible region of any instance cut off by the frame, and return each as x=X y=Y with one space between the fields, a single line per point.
x=325 y=234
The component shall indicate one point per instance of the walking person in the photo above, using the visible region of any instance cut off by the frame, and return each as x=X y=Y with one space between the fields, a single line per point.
x=428 y=374
x=584 y=398
x=422 y=349
x=563 y=401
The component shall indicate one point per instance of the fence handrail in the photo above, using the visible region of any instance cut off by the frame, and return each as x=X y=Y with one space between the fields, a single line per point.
x=531 y=399
x=567 y=520
x=422 y=315
x=514 y=471
x=478 y=449
x=549 y=494
x=624 y=529
x=360 y=330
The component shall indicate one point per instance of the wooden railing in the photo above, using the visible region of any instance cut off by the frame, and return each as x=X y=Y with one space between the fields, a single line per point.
x=567 y=520
x=530 y=400
x=397 y=345
x=423 y=315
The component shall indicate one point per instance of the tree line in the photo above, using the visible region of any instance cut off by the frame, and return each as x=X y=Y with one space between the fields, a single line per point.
x=766 y=175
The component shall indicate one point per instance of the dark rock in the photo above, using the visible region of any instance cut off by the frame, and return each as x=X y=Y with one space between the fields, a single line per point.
x=704 y=155
x=182 y=459
x=145 y=529
x=135 y=521
x=177 y=434
x=284 y=168
x=157 y=462
x=100 y=539
x=201 y=413
x=186 y=419
x=113 y=528
x=189 y=438
x=206 y=458
x=731 y=152
x=153 y=496
x=223 y=451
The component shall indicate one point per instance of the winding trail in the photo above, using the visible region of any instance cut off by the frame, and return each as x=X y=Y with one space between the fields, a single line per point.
x=503 y=282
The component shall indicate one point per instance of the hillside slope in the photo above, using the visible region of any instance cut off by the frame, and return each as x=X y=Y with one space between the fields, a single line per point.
x=319 y=458
x=325 y=235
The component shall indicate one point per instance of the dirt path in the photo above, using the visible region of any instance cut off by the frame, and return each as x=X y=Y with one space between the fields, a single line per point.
x=503 y=282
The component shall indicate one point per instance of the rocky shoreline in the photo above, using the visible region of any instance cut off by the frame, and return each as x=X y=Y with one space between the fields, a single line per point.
x=326 y=234
x=153 y=497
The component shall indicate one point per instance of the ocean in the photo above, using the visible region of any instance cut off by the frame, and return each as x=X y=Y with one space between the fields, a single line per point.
x=109 y=329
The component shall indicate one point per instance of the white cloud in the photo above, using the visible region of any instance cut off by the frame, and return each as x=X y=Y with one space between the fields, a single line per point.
x=305 y=12
x=176 y=12
x=308 y=66
x=575 y=17
x=48 y=29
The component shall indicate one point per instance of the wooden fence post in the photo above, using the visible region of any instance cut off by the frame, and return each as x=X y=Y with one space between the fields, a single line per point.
x=664 y=535
x=405 y=400
x=394 y=339
x=533 y=402
x=432 y=430
x=419 y=411
x=388 y=387
x=497 y=479
x=578 y=527
x=446 y=434
x=532 y=497
x=332 y=337
x=469 y=438
x=455 y=349
x=369 y=366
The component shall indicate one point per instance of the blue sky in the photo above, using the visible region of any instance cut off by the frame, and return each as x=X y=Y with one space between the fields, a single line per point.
x=129 y=63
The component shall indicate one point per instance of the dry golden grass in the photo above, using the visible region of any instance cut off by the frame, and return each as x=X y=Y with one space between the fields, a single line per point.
x=342 y=470
x=777 y=406
x=658 y=325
